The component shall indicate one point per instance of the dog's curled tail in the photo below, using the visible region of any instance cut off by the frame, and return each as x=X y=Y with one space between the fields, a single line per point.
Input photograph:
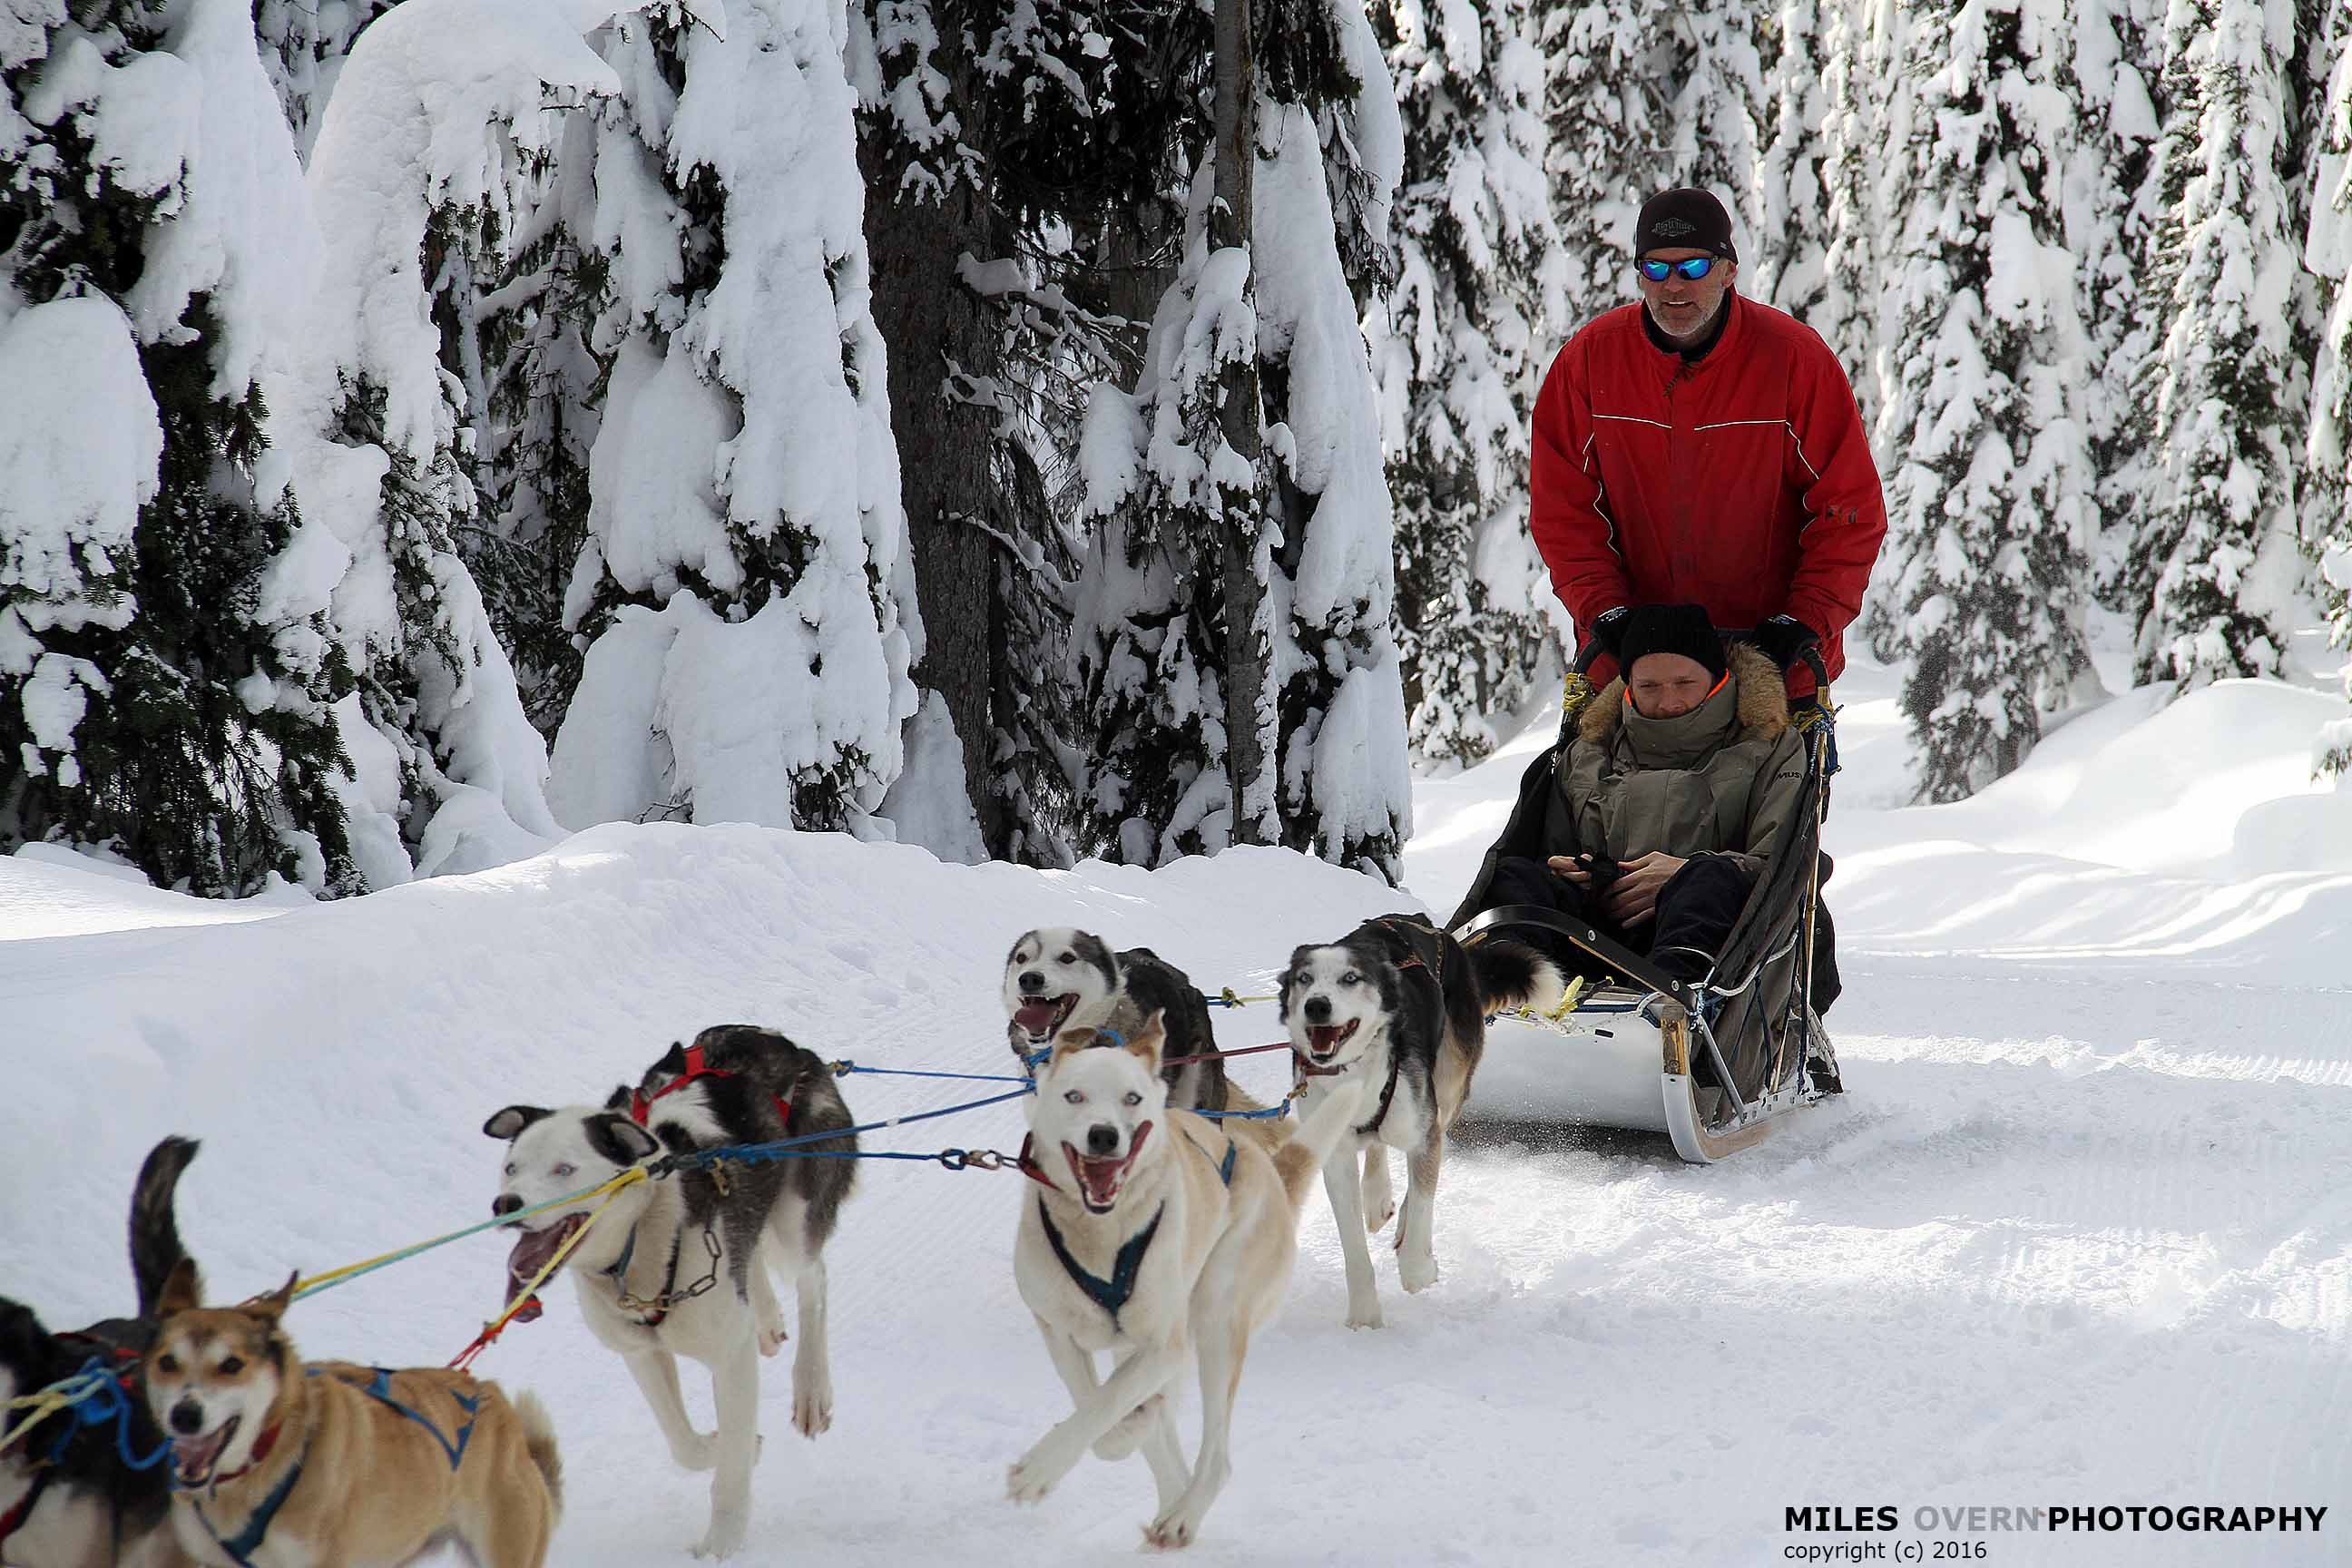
x=539 y=1441
x=1511 y=975
x=155 y=1247
x=1318 y=1134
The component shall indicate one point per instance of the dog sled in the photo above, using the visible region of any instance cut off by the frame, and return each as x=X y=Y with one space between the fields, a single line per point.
x=1712 y=1063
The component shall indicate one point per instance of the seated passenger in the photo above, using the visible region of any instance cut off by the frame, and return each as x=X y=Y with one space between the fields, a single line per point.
x=1669 y=797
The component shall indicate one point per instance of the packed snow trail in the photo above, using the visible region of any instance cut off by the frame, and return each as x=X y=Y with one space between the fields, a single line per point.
x=2078 y=1235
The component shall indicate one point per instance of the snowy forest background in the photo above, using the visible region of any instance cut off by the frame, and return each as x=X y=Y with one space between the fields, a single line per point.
x=426 y=427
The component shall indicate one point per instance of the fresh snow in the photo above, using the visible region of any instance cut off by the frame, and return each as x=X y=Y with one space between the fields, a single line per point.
x=2078 y=1234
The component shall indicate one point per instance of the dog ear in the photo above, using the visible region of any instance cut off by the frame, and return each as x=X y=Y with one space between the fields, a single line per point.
x=1145 y=1042
x=510 y=1121
x=180 y=1290
x=270 y=1308
x=620 y=1140
x=1070 y=1041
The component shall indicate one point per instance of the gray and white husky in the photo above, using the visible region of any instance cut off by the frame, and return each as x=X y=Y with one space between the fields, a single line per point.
x=680 y=1266
x=1398 y=1010
x=1059 y=978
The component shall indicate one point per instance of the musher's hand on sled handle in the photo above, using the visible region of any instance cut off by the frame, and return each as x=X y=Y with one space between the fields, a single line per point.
x=1784 y=639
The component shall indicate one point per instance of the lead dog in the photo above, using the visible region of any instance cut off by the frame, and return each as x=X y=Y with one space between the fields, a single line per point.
x=680 y=1266
x=67 y=1500
x=276 y=1464
x=1151 y=1233
x=1397 y=1010
x=1059 y=978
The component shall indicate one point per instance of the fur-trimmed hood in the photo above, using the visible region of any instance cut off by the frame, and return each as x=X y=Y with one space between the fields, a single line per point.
x=1760 y=689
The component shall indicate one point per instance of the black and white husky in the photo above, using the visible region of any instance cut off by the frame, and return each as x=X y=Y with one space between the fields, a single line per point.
x=680 y=1266
x=67 y=1500
x=1060 y=978
x=1397 y=1009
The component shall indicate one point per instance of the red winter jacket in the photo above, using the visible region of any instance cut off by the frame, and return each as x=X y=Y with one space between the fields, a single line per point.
x=1743 y=482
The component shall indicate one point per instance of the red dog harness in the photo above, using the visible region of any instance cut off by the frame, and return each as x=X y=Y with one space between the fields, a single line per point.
x=641 y=1104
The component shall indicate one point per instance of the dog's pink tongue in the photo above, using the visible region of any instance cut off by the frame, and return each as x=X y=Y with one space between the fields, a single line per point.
x=196 y=1455
x=528 y=1257
x=1034 y=1016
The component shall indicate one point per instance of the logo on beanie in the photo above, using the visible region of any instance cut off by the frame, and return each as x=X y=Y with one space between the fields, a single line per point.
x=1673 y=228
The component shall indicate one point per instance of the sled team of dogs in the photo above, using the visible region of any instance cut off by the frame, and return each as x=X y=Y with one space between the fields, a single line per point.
x=1157 y=1228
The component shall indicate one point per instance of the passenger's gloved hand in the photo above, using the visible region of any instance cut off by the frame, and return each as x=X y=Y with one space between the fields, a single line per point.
x=1608 y=631
x=1784 y=639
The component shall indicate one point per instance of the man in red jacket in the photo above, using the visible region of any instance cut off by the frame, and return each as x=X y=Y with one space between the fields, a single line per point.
x=1700 y=448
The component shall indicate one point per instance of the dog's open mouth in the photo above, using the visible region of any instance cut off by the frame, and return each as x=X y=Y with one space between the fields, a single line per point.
x=1041 y=1017
x=1323 y=1039
x=530 y=1254
x=1099 y=1181
x=193 y=1458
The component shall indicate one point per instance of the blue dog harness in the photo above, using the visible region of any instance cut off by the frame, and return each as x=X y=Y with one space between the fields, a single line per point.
x=1115 y=1293
x=248 y=1540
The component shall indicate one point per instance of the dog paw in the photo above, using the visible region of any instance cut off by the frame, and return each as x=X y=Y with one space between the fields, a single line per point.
x=1416 y=1270
x=1172 y=1530
x=1127 y=1437
x=812 y=1408
x=724 y=1540
x=701 y=1453
x=772 y=1338
x=1034 y=1476
x=1367 y=1316
x=1375 y=1219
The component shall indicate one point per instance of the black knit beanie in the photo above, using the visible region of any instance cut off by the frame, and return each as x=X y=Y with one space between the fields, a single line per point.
x=1671 y=628
x=1684 y=218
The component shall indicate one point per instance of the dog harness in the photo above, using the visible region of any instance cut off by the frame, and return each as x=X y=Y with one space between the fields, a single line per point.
x=1114 y=1293
x=256 y=1526
x=652 y=1311
x=641 y=1104
x=379 y=1388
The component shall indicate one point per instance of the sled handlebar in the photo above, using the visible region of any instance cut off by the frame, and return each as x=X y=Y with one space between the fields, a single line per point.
x=1811 y=656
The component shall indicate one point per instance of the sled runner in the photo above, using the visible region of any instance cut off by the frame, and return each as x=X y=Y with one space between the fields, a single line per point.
x=1710 y=1063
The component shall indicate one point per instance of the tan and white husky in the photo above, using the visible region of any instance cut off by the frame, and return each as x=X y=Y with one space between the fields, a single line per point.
x=1153 y=1235
x=279 y=1465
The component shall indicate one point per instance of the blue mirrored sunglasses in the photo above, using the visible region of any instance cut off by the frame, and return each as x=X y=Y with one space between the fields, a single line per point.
x=1694 y=268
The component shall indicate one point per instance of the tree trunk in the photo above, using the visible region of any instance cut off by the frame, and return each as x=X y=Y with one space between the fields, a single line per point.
x=929 y=318
x=1249 y=700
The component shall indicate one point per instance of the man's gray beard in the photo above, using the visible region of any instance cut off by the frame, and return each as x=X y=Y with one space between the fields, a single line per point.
x=1697 y=332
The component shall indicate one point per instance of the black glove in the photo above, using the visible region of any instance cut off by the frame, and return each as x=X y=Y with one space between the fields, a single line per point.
x=1608 y=631
x=1784 y=639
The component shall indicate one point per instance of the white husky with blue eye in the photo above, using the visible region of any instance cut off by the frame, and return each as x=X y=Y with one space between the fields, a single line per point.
x=1149 y=1227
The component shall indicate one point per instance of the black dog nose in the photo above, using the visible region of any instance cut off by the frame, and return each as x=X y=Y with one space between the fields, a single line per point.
x=1101 y=1140
x=505 y=1204
x=1318 y=1008
x=1032 y=981
x=187 y=1417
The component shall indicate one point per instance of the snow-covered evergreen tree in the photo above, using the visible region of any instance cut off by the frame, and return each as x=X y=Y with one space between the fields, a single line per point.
x=158 y=696
x=2109 y=197
x=1865 y=189
x=747 y=584
x=1723 y=106
x=1150 y=631
x=518 y=314
x=1458 y=345
x=303 y=45
x=1607 y=103
x=1987 y=501
x=2219 y=546
x=1788 y=263
x=414 y=156
x=2327 y=444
